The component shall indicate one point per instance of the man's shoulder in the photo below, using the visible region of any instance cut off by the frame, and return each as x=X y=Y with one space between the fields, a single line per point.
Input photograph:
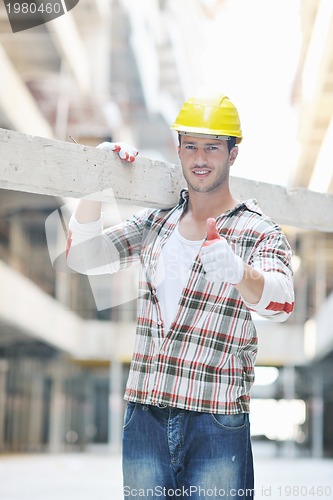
x=255 y=215
x=157 y=216
x=253 y=206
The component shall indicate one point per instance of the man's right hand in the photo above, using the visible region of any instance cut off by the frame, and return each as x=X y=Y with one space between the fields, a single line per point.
x=90 y=210
x=125 y=151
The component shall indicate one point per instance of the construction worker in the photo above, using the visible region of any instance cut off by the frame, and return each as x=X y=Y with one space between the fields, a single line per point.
x=206 y=265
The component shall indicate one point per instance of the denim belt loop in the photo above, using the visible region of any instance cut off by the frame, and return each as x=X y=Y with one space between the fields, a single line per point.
x=161 y=405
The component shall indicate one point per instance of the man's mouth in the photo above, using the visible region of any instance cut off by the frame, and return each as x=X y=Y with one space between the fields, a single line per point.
x=201 y=172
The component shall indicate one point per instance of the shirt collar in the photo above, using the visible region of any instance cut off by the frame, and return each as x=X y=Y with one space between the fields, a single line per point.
x=251 y=204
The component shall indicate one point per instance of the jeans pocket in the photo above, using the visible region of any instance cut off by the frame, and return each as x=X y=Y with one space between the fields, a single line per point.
x=231 y=422
x=129 y=412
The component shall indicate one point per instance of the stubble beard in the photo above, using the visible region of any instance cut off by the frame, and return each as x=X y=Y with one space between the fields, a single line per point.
x=218 y=183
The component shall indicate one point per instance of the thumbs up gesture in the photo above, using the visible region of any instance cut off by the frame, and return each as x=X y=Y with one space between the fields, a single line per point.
x=212 y=233
x=220 y=263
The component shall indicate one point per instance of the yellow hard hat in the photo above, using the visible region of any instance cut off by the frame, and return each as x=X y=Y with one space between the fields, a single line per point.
x=215 y=115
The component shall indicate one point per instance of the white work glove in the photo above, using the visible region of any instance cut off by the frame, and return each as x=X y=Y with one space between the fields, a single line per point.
x=220 y=263
x=125 y=151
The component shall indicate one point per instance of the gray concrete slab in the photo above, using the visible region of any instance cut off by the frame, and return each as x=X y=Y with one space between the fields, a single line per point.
x=77 y=476
x=95 y=476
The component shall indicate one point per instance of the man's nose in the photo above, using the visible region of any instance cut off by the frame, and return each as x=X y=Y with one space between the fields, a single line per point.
x=200 y=158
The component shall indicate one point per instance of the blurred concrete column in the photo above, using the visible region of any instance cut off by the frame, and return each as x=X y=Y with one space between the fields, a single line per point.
x=57 y=407
x=17 y=242
x=289 y=382
x=115 y=406
x=321 y=272
x=62 y=108
x=317 y=415
x=318 y=389
x=62 y=288
x=36 y=411
x=3 y=378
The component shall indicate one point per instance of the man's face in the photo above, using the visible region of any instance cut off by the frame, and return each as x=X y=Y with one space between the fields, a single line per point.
x=205 y=162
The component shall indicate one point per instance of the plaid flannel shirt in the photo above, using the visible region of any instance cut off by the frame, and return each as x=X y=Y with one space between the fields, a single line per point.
x=205 y=362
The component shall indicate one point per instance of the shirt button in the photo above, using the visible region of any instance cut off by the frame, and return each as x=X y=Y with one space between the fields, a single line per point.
x=162 y=351
x=160 y=322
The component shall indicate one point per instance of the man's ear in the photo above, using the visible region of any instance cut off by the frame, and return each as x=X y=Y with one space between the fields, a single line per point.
x=233 y=155
x=178 y=149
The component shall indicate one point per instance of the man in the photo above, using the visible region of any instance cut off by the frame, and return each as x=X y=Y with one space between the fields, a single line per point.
x=206 y=264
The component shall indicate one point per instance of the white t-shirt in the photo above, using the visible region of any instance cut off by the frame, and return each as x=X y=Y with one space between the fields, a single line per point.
x=172 y=272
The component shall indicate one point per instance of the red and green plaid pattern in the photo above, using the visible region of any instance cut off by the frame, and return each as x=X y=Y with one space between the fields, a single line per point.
x=205 y=362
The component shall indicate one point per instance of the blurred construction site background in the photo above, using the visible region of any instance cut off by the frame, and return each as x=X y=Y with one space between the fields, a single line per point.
x=120 y=69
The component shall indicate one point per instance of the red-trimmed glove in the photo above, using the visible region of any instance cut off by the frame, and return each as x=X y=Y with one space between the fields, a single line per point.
x=125 y=151
x=220 y=263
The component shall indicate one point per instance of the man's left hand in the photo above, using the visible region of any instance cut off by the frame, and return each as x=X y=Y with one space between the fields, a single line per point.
x=220 y=263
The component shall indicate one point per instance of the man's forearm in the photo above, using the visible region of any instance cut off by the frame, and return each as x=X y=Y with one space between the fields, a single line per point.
x=88 y=211
x=270 y=294
x=252 y=285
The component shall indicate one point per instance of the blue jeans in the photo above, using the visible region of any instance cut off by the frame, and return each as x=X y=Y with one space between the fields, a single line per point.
x=171 y=453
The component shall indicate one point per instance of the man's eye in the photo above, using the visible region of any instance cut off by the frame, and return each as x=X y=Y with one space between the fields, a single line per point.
x=210 y=148
x=189 y=147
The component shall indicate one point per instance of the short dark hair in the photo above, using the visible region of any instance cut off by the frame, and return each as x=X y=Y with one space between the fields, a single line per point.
x=231 y=142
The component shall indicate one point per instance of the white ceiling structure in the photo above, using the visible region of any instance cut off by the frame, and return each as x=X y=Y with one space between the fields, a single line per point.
x=123 y=68
x=314 y=97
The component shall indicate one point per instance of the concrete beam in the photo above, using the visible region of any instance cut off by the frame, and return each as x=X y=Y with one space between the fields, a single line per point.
x=322 y=330
x=280 y=343
x=316 y=100
x=56 y=168
x=16 y=101
x=69 y=43
x=33 y=314
x=37 y=315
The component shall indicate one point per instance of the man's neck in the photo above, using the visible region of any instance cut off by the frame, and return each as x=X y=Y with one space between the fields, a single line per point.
x=211 y=204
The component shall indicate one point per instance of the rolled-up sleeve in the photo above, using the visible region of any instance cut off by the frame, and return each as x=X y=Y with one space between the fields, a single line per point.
x=89 y=251
x=277 y=300
x=272 y=257
x=92 y=250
